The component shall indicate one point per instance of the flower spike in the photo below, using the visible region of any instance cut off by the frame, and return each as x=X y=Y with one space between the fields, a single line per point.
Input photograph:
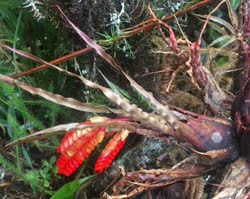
x=111 y=150
x=78 y=144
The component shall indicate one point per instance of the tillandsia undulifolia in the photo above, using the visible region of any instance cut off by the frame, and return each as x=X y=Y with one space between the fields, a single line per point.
x=211 y=140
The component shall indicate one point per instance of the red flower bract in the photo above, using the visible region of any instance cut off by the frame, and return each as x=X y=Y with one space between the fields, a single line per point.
x=110 y=151
x=78 y=144
x=75 y=151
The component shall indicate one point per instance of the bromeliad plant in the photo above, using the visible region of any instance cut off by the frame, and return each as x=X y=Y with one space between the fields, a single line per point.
x=211 y=140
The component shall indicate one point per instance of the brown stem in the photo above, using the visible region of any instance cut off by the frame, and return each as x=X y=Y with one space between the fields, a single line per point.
x=56 y=61
x=168 y=18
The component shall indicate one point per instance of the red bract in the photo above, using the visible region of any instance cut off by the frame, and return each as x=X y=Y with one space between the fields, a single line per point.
x=77 y=145
x=75 y=151
x=111 y=150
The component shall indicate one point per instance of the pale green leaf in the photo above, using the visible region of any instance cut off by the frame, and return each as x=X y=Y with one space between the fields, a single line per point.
x=68 y=190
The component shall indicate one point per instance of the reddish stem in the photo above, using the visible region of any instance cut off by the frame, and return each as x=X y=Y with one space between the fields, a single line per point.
x=56 y=61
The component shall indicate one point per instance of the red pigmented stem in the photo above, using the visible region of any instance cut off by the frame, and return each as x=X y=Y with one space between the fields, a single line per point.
x=54 y=62
x=197 y=67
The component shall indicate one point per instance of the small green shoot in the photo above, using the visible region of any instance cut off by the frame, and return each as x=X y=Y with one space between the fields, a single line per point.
x=68 y=190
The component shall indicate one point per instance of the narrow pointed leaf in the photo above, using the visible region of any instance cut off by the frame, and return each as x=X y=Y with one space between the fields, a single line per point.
x=231 y=40
x=58 y=99
x=43 y=134
x=220 y=29
x=231 y=7
x=68 y=190
x=162 y=110
x=92 y=44
x=219 y=21
x=115 y=88
x=85 y=81
x=63 y=128
x=220 y=40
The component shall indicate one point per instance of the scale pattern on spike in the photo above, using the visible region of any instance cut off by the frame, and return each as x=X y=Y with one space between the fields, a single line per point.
x=111 y=150
x=78 y=144
x=76 y=147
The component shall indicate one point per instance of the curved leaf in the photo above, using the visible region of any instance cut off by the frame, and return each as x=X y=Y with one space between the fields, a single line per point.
x=219 y=21
x=58 y=99
x=53 y=131
x=68 y=190
x=220 y=40
x=235 y=4
x=162 y=110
